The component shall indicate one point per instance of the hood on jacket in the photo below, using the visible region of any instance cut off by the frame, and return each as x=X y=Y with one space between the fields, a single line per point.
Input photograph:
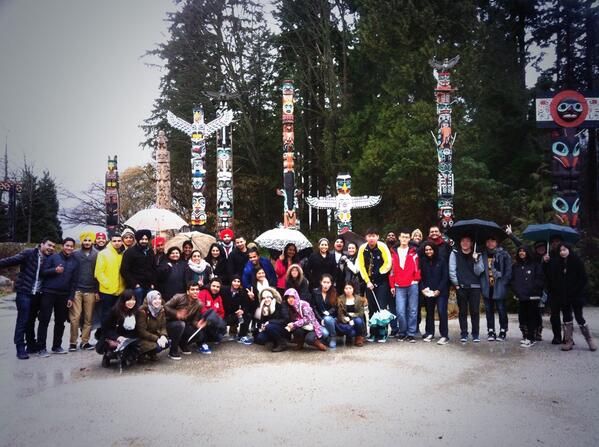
x=528 y=252
x=296 y=303
x=299 y=269
x=274 y=292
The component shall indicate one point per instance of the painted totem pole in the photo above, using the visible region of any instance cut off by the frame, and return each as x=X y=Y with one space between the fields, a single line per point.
x=343 y=203
x=224 y=163
x=289 y=192
x=444 y=140
x=569 y=113
x=163 y=172
x=198 y=131
x=112 y=195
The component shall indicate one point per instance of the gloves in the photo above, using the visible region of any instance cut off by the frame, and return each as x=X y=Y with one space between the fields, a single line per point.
x=162 y=341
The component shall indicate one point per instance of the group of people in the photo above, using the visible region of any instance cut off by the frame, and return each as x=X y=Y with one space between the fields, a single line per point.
x=150 y=300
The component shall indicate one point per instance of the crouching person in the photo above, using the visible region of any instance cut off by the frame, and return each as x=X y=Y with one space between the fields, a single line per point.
x=183 y=319
x=350 y=316
x=213 y=312
x=237 y=311
x=303 y=323
x=151 y=326
x=271 y=325
x=120 y=332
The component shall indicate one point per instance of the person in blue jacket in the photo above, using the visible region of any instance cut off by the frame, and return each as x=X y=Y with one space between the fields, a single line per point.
x=251 y=267
x=59 y=275
x=29 y=289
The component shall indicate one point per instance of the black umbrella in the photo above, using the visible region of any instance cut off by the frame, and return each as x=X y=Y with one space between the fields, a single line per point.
x=479 y=230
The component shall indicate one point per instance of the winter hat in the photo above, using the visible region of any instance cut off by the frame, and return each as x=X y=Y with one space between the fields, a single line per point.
x=88 y=235
x=127 y=232
x=158 y=240
x=226 y=231
x=100 y=234
x=141 y=233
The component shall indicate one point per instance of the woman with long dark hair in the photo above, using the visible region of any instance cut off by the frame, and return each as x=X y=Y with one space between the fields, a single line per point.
x=197 y=270
x=434 y=289
x=171 y=274
x=287 y=259
x=567 y=281
x=319 y=263
x=217 y=260
x=324 y=304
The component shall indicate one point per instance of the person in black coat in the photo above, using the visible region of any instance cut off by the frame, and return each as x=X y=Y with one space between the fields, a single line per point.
x=139 y=266
x=171 y=274
x=237 y=310
x=238 y=258
x=120 y=325
x=319 y=263
x=324 y=305
x=434 y=289
x=218 y=262
x=295 y=280
x=273 y=318
x=527 y=283
x=567 y=281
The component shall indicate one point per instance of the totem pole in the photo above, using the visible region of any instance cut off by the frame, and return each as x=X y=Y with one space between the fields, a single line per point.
x=569 y=114
x=112 y=195
x=289 y=192
x=163 y=172
x=224 y=162
x=444 y=140
x=198 y=131
x=343 y=203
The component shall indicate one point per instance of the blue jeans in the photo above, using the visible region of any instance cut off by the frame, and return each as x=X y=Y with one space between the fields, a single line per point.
x=329 y=325
x=140 y=295
x=407 y=309
x=490 y=304
x=351 y=331
x=441 y=304
x=107 y=301
x=24 y=306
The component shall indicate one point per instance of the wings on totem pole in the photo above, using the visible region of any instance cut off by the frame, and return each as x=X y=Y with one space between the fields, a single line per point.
x=178 y=123
x=365 y=201
x=446 y=64
x=220 y=122
x=322 y=203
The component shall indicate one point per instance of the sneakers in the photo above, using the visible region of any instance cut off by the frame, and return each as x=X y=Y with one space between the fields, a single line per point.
x=402 y=337
x=443 y=341
x=464 y=338
x=411 y=339
x=245 y=340
x=205 y=349
x=43 y=353
x=72 y=347
x=428 y=338
x=185 y=350
x=383 y=339
x=370 y=339
x=527 y=344
x=22 y=352
x=87 y=346
x=333 y=344
x=58 y=350
x=502 y=336
x=476 y=339
x=174 y=355
x=491 y=336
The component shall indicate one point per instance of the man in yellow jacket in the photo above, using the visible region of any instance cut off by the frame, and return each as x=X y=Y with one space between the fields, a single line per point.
x=108 y=274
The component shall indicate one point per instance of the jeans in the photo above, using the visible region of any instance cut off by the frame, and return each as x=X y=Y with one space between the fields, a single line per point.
x=140 y=295
x=179 y=332
x=351 y=331
x=310 y=336
x=24 y=309
x=440 y=303
x=273 y=332
x=83 y=302
x=383 y=296
x=58 y=304
x=469 y=299
x=490 y=305
x=107 y=301
x=329 y=324
x=407 y=308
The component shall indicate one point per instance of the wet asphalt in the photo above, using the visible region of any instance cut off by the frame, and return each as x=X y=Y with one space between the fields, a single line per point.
x=385 y=395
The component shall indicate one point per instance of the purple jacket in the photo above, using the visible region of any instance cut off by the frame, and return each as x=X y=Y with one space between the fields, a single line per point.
x=306 y=314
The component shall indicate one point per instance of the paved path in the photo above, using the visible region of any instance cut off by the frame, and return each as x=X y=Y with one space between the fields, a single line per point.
x=396 y=394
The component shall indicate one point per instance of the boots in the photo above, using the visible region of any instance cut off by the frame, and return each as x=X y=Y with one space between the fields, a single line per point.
x=568 y=342
x=359 y=341
x=320 y=345
x=588 y=337
x=298 y=340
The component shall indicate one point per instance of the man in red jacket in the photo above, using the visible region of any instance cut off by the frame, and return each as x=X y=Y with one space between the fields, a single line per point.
x=403 y=280
x=213 y=312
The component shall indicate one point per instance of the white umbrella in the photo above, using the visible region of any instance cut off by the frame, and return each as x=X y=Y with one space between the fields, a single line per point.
x=155 y=219
x=277 y=238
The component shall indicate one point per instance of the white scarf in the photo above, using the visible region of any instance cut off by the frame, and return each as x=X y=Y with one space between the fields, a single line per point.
x=197 y=268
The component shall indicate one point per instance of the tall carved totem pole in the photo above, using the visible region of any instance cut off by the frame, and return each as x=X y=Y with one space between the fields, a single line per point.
x=289 y=192
x=444 y=140
x=198 y=131
x=163 y=172
x=224 y=162
x=112 y=195
x=569 y=114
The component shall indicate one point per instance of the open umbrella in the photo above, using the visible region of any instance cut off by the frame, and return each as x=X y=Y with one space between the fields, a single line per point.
x=127 y=353
x=277 y=238
x=200 y=241
x=546 y=232
x=479 y=230
x=155 y=219
x=382 y=317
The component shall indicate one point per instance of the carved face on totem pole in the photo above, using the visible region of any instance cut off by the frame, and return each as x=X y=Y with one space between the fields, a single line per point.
x=197 y=167
x=288 y=161
x=566 y=205
x=444 y=80
x=566 y=150
x=288 y=107
x=445 y=215
x=343 y=184
x=197 y=183
x=569 y=109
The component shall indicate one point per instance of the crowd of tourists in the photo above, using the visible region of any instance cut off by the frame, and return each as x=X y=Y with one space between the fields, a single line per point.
x=149 y=300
